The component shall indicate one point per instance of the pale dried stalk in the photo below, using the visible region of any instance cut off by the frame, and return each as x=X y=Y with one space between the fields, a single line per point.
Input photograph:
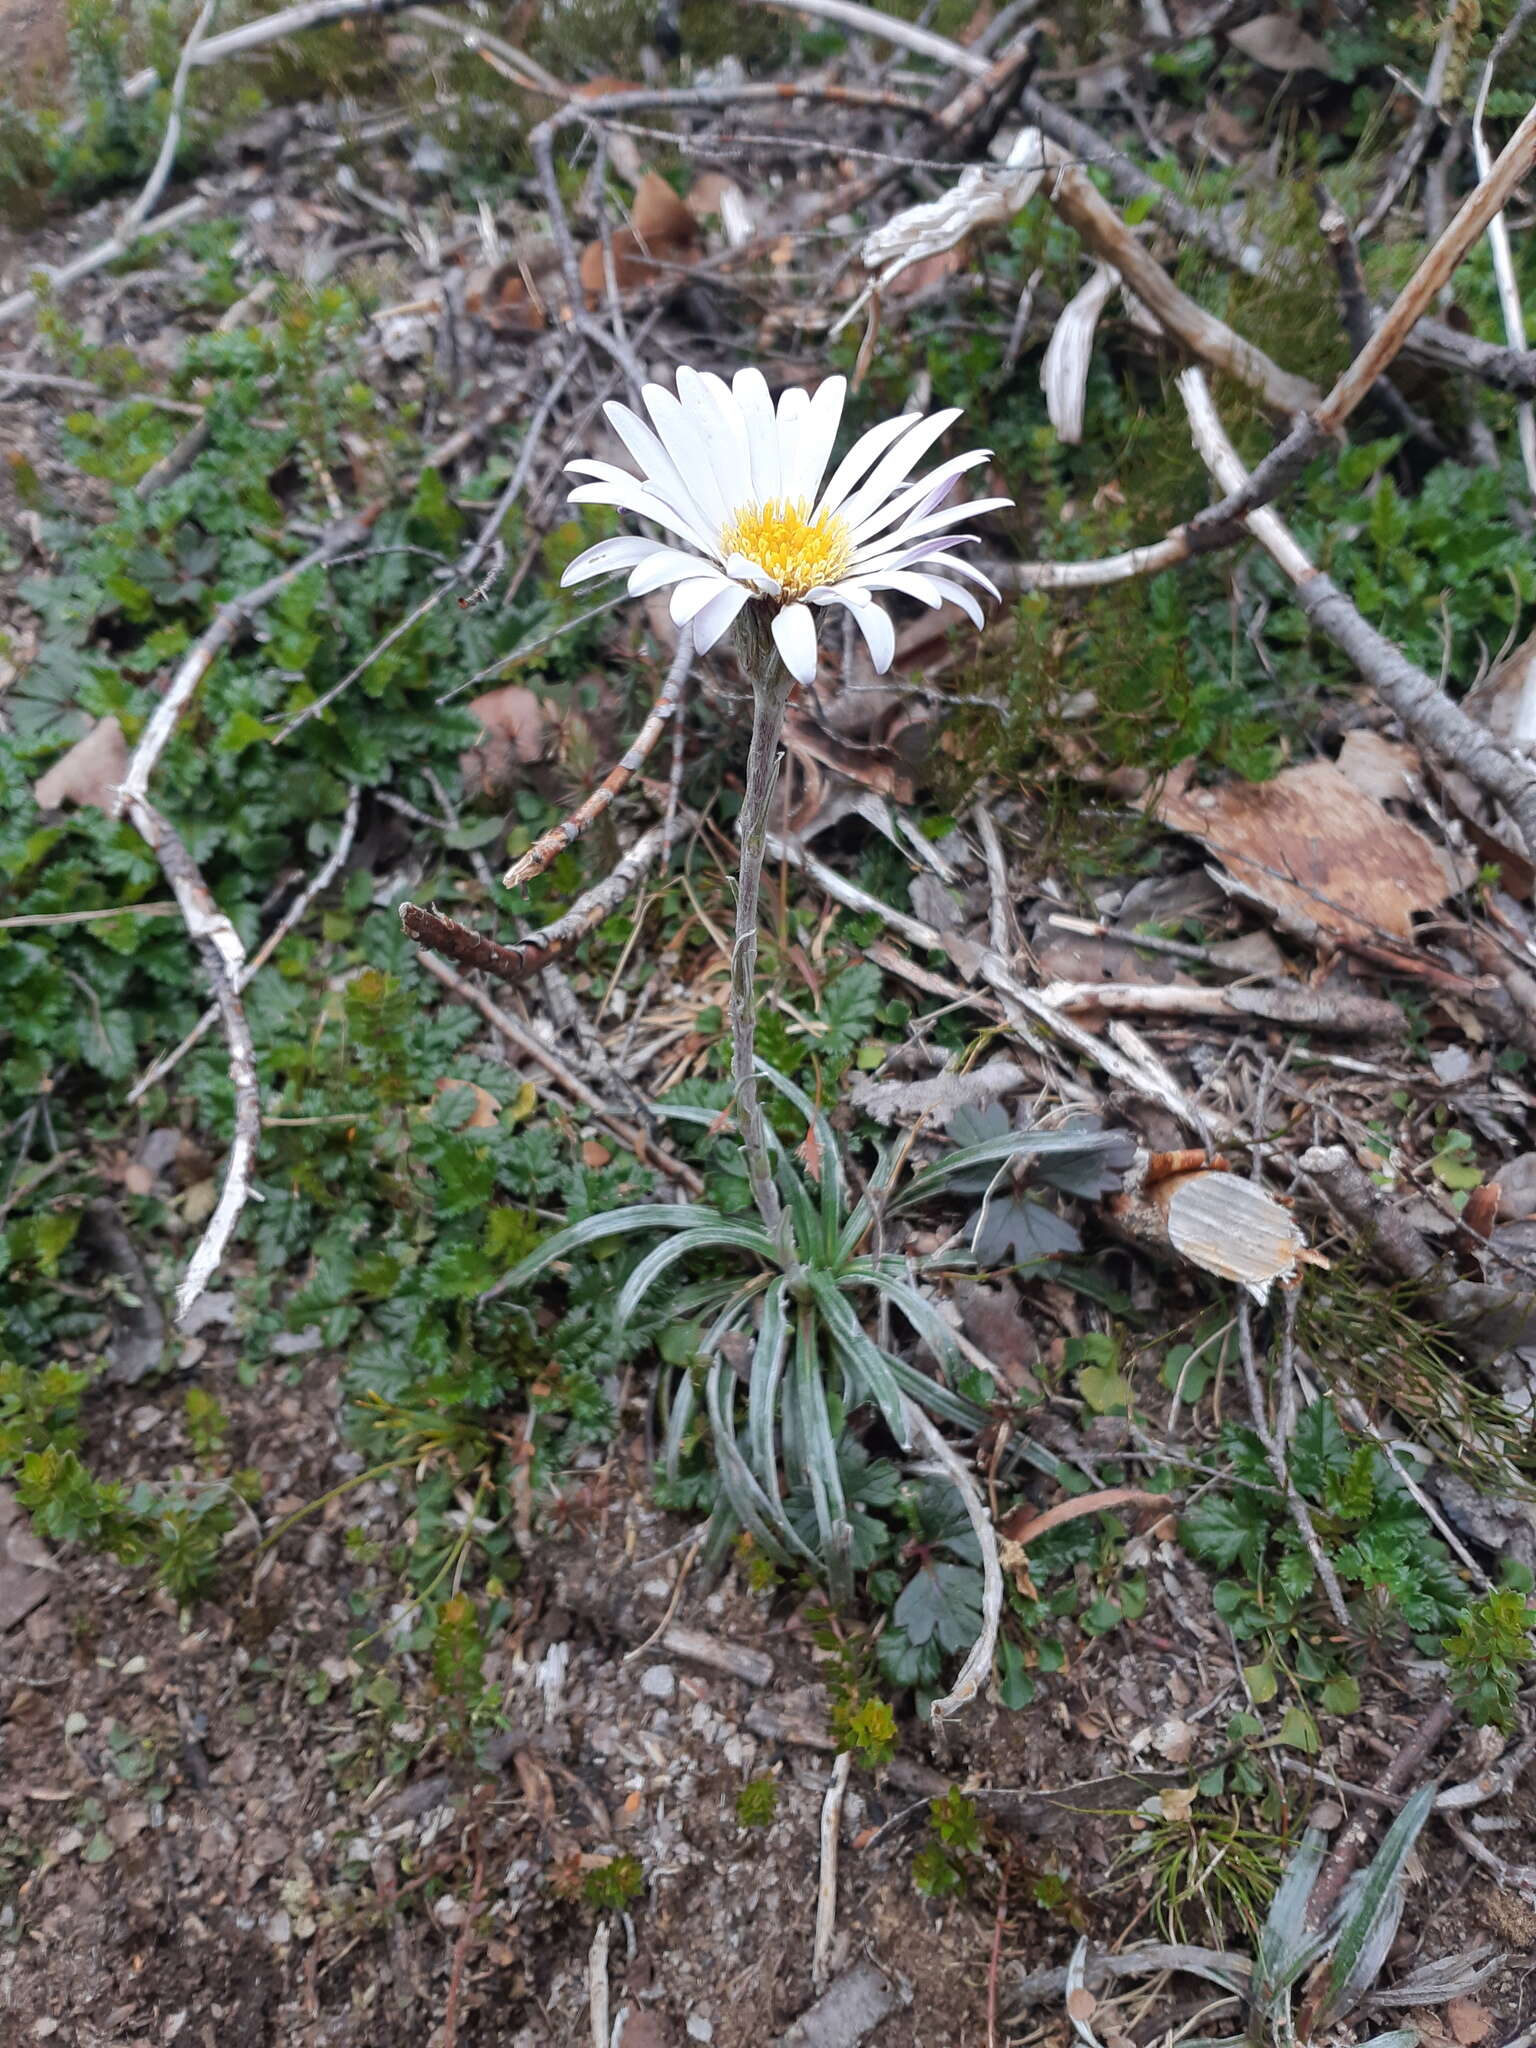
x=223 y=956
x=104 y=253
x=977 y=1668
x=269 y=28
x=826 y=1881
x=1504 y=263
x=320 y=882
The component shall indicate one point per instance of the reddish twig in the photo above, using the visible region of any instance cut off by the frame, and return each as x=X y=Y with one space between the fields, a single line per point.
x=1405 y=1766
x=461 y=1947
x=993 y=2037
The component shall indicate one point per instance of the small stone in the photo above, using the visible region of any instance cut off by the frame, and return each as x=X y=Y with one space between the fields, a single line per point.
x=279 y=1929
x=76 y=1724
x=134 y=1668
x=699 y=2028
x=658 y=1682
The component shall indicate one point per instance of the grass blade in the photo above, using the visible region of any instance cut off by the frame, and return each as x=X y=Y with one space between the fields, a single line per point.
x=870 y=1368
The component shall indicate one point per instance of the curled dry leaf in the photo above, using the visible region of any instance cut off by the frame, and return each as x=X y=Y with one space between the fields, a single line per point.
x=1323 y=855
x=89 y=773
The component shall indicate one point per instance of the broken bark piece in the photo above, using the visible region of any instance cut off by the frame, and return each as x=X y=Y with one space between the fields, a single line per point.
x=849 y=2010
x=1218 y=1221
x=1323 y=855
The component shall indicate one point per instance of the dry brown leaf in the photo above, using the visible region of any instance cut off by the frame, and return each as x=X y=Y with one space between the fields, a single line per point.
x=658 y=215
x=513 y=718
x=595 y=1155
x=1024 y=1525
x=1280 y=44
x=1175 y=1801
x=1322 y=854
x=89 y=773
x=661 y=231
x=1081 y=2004
x=1468 y=2021
x=928 y=270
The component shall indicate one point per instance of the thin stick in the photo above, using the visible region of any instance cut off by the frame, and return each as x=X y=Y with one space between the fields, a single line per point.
x=104 y=253
x=573 y=1085
x=134 y=219
x=826 y=1881
x=552 y=843
x=227 y=620
x=1405 y=158
x=269 y=28
x=515 y=962
x=978 y=1664
x=1498 y=241
x=597 y=1984
x=1395 y=1778
x=223 y=958
x=45 y=917
x=263 y=953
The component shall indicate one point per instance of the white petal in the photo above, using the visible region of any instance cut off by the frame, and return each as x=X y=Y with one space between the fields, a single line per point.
x=657 y=467
x=794 y=634
x=605 y=472
x=897 y=551
x=751 y=391
x=721 y=442
x=794 y=404
x=685 y=442
x=923 y=497
x=742 y=569
x=665 y=565
x=896 y=466
x=817 y=432
x=909 y=584
x=737 y=477
x=879 y=634
x=861 y=455
x=691 y=597
x=935 y=522
x=957 y=594
x=623 y=552
x=717 y=615
x=632 y=496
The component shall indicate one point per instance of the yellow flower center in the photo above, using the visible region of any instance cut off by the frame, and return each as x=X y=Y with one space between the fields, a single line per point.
x=786 y=543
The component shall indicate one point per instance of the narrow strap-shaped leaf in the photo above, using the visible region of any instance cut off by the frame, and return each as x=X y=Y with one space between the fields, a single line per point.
x=834 y=1191
x=768 y=1358
x=717 y=1235
x=1286 y=1948
x=1371 y=1915
x=612 y=1223
x=756 y=1513
x=870 y=1366
x=678 y=1418
x=820 y=1453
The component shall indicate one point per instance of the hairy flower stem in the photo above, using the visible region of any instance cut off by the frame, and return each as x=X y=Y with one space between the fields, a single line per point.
x=771 y=685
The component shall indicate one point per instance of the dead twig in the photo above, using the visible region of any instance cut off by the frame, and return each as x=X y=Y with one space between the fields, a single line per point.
x=524 y=957
x=554 y=842
x=104 y=253
x=1275 y=1452
x=316 y=886
x=826 y=1882
x=1404 y=1767
x=269 y=28
x=136 y=215
x=571 y=1084
x=223 y=957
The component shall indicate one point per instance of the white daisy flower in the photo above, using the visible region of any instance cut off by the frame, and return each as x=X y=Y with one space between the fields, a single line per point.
x=739 y=486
